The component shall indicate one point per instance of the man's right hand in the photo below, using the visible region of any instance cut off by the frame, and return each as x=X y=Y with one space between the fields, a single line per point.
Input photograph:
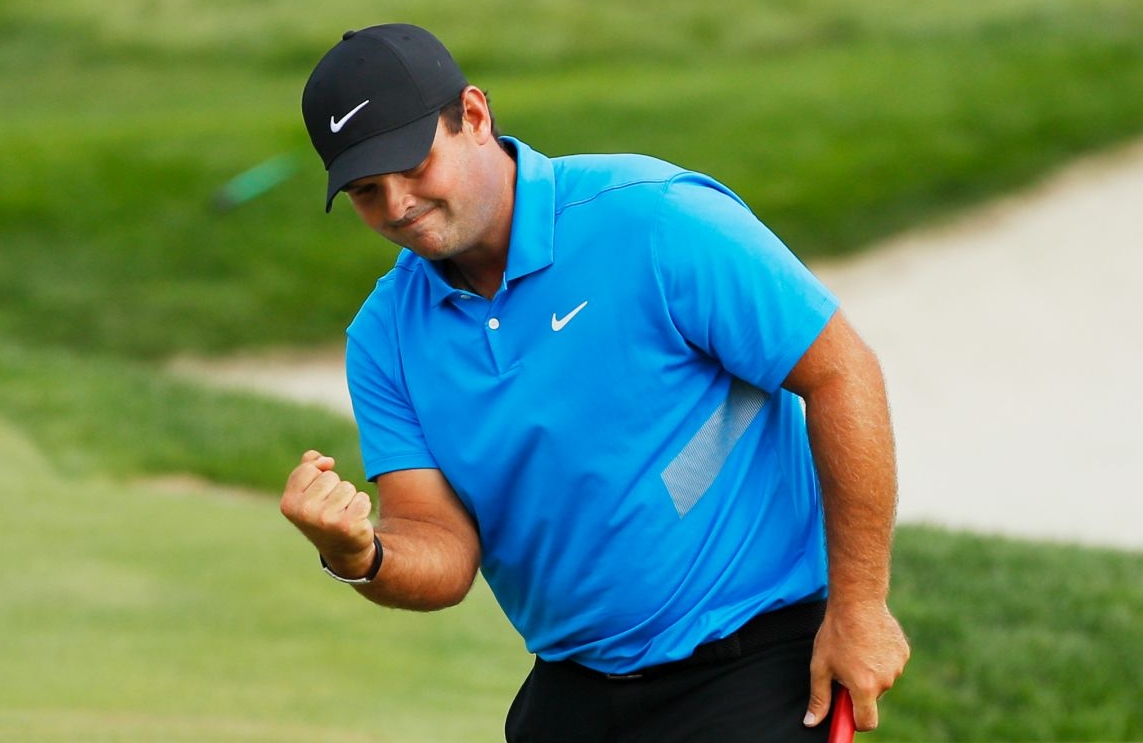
x=332 y=513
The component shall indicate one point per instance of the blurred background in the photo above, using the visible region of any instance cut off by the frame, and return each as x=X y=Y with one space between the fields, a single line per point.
x=159 y=201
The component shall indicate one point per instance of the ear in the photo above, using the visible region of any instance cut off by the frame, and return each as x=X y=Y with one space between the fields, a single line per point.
x=477 y=114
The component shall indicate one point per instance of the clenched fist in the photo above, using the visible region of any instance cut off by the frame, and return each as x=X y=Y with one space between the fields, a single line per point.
x=332 y=513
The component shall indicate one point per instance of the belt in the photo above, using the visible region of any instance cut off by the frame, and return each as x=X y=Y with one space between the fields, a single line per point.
x=770 y=628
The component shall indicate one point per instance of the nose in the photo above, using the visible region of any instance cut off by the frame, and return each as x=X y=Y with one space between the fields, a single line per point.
x=396 y=200
x=382 y=201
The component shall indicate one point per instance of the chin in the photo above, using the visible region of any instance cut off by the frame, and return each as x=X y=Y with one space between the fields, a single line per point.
x=431 y=251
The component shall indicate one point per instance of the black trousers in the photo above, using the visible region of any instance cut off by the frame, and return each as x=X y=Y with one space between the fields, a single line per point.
x=761 y=695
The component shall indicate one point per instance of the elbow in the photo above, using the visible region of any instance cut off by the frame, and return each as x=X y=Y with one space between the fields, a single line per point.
x=455 y=583
x=452 y=598
x=452 y=589
x=442 y=594
x=445 y=584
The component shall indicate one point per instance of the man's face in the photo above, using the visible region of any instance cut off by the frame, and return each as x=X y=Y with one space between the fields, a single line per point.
x=435 y=209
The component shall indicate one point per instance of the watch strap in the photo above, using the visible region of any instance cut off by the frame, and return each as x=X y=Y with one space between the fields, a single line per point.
x=369 y=576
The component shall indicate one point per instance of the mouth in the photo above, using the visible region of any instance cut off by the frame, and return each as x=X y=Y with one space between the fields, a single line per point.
x=411 y=219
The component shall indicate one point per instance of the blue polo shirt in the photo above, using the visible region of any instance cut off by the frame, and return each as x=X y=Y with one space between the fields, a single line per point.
x=613 y=418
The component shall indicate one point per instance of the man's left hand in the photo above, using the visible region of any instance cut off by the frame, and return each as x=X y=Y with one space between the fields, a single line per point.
x=862 y=647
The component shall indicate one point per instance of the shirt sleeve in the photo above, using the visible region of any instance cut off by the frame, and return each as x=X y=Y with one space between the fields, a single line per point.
x=733 y=289
x=390 y=433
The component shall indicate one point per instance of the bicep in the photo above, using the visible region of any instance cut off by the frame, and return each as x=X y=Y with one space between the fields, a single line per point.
x=838 y=355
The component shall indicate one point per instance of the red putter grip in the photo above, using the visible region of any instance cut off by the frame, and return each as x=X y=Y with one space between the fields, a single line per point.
x=842 y=728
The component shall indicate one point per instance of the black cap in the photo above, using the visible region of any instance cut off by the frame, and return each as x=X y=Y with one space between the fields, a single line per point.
x=371 y=104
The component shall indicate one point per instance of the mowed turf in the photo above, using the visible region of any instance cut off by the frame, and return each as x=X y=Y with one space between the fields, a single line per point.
x=174 y=611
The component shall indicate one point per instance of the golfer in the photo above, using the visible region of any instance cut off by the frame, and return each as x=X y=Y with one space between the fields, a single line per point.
x=602 y=382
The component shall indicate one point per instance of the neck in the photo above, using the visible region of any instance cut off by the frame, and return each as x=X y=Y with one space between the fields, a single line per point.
x=480 y=269
x=476 y=278
x=456 y=278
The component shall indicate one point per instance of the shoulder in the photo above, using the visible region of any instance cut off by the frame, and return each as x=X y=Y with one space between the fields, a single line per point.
x=638 y=184
x=664 y=188
x=616 y=168
x=583 y=179
x=379 y=307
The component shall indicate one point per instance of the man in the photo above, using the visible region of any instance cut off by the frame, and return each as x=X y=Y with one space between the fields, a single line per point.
x=586 y=377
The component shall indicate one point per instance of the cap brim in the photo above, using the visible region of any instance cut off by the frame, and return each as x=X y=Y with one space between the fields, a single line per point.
x=398 y=149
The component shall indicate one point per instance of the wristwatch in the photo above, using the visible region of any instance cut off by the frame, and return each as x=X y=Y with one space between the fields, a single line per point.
x=369 y=576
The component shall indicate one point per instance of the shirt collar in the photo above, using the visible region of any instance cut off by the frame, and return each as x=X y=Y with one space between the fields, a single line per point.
x=531 y=245
x=439 y=287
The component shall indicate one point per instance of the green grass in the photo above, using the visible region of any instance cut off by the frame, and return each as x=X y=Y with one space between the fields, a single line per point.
x=838 y=122
x=1016 y=641
x=139 y=611
x=107 y=417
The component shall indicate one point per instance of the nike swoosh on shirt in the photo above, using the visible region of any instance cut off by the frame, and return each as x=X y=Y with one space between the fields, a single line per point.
x=335 y=126
x=558 y=323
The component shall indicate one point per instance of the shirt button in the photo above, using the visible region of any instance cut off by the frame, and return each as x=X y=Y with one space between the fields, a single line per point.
x=493 y=324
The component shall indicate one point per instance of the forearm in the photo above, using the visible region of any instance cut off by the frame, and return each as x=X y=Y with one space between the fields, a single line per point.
x=860 y=644
x=852 y=443
x=424 y=567
x=430 y=549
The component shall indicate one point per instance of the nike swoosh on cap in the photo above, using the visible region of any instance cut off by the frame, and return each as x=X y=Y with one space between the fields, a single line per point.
x=336 y=126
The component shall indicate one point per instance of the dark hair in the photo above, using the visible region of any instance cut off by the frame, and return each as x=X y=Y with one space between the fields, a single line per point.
x=453 y=116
